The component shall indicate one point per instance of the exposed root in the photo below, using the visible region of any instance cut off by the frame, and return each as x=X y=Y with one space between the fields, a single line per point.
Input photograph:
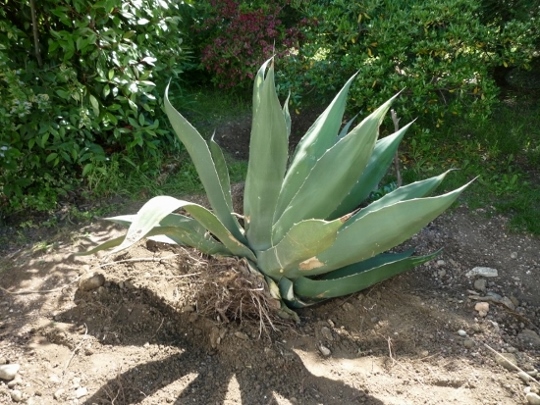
x=235 y=293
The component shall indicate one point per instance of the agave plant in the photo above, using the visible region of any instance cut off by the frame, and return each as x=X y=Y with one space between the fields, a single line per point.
x=302 y=228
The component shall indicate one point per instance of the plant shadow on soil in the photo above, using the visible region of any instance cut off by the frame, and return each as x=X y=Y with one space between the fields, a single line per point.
x=139 y=338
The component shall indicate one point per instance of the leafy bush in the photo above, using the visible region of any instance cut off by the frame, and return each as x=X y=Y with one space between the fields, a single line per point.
x=235 y=37
x=301 y=228
x=443 y=53
x=78 y=82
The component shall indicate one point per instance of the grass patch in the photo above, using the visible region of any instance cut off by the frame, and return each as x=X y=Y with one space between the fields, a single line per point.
x=503 y=152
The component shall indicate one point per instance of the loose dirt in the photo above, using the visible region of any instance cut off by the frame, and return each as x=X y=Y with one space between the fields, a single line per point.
x=135 y=335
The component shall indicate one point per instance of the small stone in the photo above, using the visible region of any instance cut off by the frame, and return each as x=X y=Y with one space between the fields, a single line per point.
x=81 y=392
x=527 y=336
x=480 y=284
x=58 y=394
x=16 y=381
x=462 y=333
x=525 y=377
x=16 y=396
x=483 y=272
x=55 y=379
x=327 y=333
x=76 y=382
x=514 y=300
x=482 y=308
x=513 y=255
x=468 y=343
x=494 y=296
x=532 y=398
x=325 y=351
x=3 y=360
x=241 y=335
x=441 y=262
x=441 y=273
x=9 y=371
x=348 y=307
x=89 y=283
x=508 y=303
x=508 y=361
x=476 y=327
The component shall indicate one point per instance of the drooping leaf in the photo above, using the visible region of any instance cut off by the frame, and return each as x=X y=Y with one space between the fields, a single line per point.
x=157 y=208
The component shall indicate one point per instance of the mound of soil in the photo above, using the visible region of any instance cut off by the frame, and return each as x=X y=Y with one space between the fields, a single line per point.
x=131 y=329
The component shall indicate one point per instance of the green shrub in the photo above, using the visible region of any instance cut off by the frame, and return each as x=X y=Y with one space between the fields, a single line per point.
x=442 y=52
x=234 y=37
x=78 y=82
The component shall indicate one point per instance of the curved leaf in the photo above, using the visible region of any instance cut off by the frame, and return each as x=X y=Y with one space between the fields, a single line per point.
x=216 y=185
x=364 y=237
x=156 y=209
x=304 y=240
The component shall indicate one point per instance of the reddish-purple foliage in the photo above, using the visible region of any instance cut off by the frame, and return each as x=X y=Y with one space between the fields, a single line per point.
x=244 y=37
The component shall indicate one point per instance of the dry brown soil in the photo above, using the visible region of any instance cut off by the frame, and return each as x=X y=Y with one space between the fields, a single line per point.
x=139 y=338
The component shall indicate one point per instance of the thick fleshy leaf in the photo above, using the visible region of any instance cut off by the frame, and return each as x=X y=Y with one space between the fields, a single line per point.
x=156 y=209
x=376 y=261
x=181 y=230
x=319 y=138
x=258 y=83
x=378 y=231
x=287 y=115
x=286 y=289
x=305 y=239
x=345 y=130
x=213 y=182
x=103 y=246
x=285 y=311
x=268 y=154
x=222 y=171
x=381 y=159
x=333 y=175
x=417 y=189
x=204 y=243
x=357 y=277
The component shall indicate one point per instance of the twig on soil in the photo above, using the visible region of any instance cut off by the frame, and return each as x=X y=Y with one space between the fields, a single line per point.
x=75 y=350
x=389 y=341
x=159 y=327
x=139 y=259
x=531 y=378
x=179 y=276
